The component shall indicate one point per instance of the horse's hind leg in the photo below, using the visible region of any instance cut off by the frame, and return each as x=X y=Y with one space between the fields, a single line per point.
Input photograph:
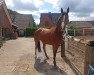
x=36 y=49
x=45 y=51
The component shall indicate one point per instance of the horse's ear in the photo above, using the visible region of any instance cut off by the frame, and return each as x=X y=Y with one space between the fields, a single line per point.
x=68 y=10
x=61 y=10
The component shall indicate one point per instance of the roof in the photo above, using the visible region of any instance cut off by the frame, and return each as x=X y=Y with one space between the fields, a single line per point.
x=2 y=3
x=91 y=22
x=53 y=16
x=23 y=20
x=83 y=24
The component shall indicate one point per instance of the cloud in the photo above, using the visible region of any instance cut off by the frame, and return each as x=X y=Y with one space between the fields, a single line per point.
x=20 y=5
x=26 y=7
x=9 y=3
x=79 y=9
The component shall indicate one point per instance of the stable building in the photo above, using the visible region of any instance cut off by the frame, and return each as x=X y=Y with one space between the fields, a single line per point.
x=6 y=28
x=49 y=19
x=23 y=21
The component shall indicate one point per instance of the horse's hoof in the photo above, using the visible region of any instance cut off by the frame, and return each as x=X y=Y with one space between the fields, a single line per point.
x=63 y=55
x=45 y=61
x=47 y=57
x=55 y=66
x=35 y=56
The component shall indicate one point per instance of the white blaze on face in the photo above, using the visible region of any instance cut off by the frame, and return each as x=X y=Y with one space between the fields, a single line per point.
x=62 y=25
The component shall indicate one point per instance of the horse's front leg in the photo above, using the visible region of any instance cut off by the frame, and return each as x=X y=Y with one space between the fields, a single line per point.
x=45 y=51
x=54 y=54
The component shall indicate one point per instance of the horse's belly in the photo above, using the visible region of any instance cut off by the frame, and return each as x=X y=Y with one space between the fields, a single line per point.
x=50 y=41
x=46 y=40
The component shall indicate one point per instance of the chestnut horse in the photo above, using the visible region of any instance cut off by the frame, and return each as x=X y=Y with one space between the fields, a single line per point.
x=53 y=36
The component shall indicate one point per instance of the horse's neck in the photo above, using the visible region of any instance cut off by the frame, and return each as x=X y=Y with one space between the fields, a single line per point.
x=58 y=32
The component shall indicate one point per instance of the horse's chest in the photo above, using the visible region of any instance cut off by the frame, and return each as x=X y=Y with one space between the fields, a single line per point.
x=45 y=38
x=49 y=38
x=55 y=40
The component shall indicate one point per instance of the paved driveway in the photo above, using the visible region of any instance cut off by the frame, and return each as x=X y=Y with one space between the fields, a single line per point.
x=17 y=58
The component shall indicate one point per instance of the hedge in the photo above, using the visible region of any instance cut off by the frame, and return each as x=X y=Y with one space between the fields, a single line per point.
x=29 y=32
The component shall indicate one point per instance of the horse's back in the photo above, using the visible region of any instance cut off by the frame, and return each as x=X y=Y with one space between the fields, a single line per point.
x=45 y=35
x=42 y=34
x=41 y=30
x=37 y=32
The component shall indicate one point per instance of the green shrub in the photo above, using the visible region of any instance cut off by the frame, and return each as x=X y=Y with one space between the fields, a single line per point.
x=30 y=31
x=71 y=30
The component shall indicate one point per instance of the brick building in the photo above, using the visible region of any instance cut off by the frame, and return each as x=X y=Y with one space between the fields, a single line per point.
x=83 y=27
x=6 y=28
x=48 y=19
x=23 y=21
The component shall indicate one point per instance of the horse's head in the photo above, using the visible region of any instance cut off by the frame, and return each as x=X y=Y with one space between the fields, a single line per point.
x=63 y=19
x=62 y=22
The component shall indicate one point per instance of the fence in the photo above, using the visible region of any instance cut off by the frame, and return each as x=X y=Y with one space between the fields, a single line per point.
x=80 y=52
x=81 y=32
x=88 y=31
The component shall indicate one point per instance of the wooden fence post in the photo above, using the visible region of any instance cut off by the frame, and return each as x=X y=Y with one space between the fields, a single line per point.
x=63 y=50
x=89 y=56
x=63 y=45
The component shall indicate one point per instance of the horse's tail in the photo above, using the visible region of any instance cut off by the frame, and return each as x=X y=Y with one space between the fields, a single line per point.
x=39 y=47
x=36 y=39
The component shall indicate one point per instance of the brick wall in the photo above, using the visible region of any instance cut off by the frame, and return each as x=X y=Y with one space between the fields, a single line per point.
x=6 y=23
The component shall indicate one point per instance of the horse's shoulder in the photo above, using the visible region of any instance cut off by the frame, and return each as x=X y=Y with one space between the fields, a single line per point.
x=40 y=28
x=51 y=30
x=45 y=29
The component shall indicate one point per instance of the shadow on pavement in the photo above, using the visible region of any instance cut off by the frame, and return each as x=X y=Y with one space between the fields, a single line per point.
x=71 y=66
x=47 y=69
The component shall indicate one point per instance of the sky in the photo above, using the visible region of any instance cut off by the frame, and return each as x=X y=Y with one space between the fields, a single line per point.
x=80 y=10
